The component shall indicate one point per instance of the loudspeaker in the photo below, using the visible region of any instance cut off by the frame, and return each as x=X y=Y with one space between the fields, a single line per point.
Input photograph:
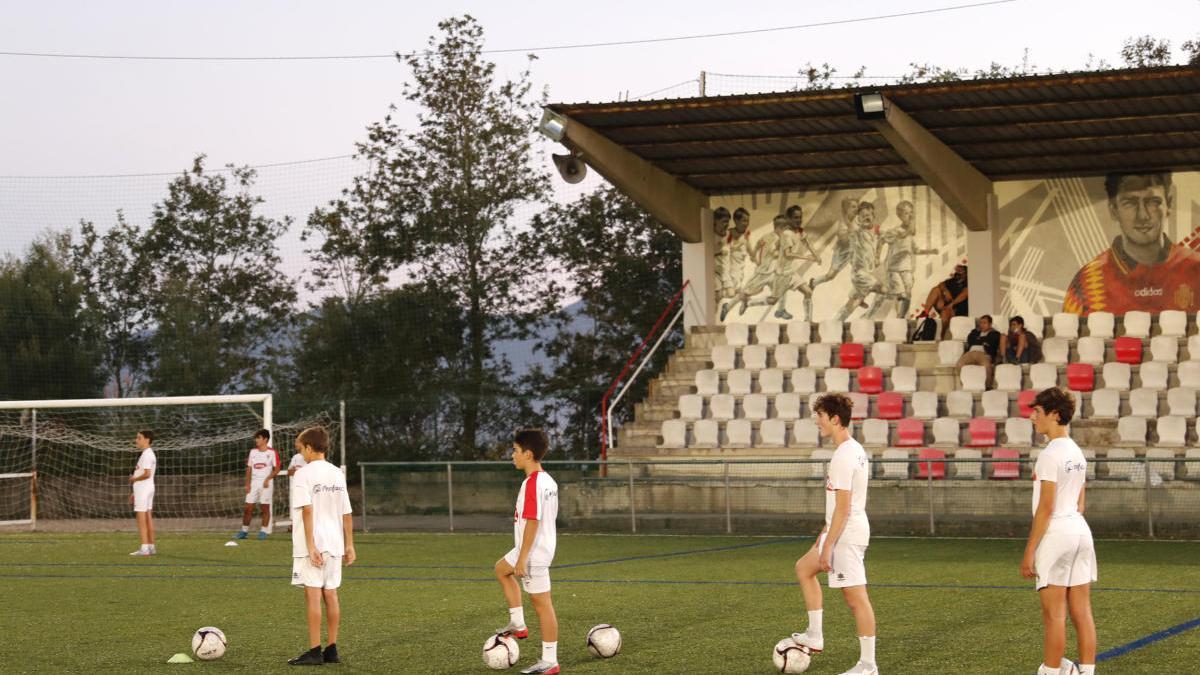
x=570 y=167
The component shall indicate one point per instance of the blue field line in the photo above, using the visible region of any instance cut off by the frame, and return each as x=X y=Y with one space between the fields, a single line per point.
x=1148 y=640
x=652 y=556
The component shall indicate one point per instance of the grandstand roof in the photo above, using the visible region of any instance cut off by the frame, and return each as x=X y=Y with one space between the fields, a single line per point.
x=1076 y=123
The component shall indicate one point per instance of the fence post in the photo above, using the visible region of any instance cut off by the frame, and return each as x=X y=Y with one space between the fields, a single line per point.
x=728 y=516
x=450 y=490
x=1149 y=500
x=362 y=487
x=33 y=490
x=929 y=480
x=632 y=507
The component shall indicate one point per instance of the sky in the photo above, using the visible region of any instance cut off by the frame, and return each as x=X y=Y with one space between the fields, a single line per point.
x=106 y=119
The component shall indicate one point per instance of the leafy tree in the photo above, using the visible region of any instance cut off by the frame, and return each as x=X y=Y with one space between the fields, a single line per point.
x=1146 y=51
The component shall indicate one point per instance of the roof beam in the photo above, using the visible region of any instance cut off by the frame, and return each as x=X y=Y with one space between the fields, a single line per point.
x=673 y=202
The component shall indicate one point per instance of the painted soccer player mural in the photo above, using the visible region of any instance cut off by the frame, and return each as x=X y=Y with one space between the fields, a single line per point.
x=898 y=265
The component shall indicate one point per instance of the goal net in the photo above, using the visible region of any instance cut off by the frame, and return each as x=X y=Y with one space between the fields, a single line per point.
x=66 y=464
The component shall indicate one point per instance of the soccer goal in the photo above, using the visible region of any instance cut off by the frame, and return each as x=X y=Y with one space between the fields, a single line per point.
x=65 y=464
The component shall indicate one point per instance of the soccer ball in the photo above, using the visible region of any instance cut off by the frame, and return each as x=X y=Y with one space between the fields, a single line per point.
x=209 y=643
x=790 y=657
x=500 y=652
x=604 y=641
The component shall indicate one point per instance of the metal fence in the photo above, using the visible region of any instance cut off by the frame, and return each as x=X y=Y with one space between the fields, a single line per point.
x=1137 y=497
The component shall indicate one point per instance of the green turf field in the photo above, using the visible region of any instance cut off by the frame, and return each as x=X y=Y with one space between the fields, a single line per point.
x=425 y=604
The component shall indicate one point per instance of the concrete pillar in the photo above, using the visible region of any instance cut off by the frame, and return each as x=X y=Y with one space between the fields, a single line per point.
x=700 y=306
x=983 y=264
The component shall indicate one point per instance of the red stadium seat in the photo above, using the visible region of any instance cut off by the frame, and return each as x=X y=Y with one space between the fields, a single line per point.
x=1081 y=376
x=982 y=431
x=1006 y=470
x=850 y=355
x=1025 y=401
x=1129 y=350
x=889 y=405
x=870 y=379
x=910 y=433
x=938 y=468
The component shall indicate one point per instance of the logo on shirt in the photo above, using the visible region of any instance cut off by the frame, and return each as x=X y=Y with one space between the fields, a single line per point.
x=260 y=465
x=319 y=488
x=1147 y=292
x=1075 y=466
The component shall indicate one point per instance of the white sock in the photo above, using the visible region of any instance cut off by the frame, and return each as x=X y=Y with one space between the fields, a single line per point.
x=516 y=616
x=263 y=528
x=145 y=548
x=245 y=528
x=814 y=623
x=1047 y=670
x=1087 y=670
x=866 y=650
x=550 y=652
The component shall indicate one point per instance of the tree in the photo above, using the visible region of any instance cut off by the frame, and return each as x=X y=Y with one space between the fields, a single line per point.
x=1146 y=51
x=47 y=340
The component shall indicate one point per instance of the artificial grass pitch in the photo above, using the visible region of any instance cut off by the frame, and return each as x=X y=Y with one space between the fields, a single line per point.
x=425 y=603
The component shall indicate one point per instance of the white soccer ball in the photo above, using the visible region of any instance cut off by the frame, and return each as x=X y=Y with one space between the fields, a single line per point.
x=500 y=652
x=604 y=641
x=790 y=657
x=209 y=643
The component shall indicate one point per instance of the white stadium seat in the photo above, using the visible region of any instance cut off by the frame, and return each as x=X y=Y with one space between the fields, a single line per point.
x=1043 y=376
x=724 y=357
x=1106 y=404
x=805 y=434
x=1018 y=432
x=883 y=354
x=1172 y=323
x=739 y=382
x=770 y=381
x=860 y=405
x=1091 y=350
x=766 y=333
x=897 y=469
x=949 y=352
x=706 y=434
x=1153 y=375
x=804 y=380
x=754 y=407
x=1056 y=350
x=1132 y=430
x=946 y=432
x=904 y=379
x=1119 y=470
x=787 y=406
x=799 y=332
x=739 y=434
x=691 y=407
x=995 y=404
x=1035 y=324
x=1008 y=377
x=961 y=327
x=875 y=432
x=1189 y=374
x=812 y=402
x=960 y=403
x=818 y=355
x=925 y=405
x=1164 y=349
x=1066 y=325
x=1181 y=402
x=708 y=382
x=831 y=331
x=1193 y=345
x=1164 y=464
x=818 y=469
x=787 y=356
x=1143 y=403
x=1136 y=324
x=722 y=407
x=772 y=434
x=968 y=470
x=674 y=434
x=1100 y=324
x=737 y=334
x=973 y=378
x=862 y=331
x=1116 y=376
x=1191 y=468
x=1171 y=432
x=837 y=379
x=754 y=357
x=895 y=330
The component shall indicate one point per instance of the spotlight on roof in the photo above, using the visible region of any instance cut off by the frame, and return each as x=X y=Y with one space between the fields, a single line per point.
x=870 y=106
x=552 y=126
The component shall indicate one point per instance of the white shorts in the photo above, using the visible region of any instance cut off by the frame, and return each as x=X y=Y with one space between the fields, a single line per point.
x=143 y=499
x=849 y=566
x=259 y=494
x=1065 y=560
x=328 y=575
x=538 y=579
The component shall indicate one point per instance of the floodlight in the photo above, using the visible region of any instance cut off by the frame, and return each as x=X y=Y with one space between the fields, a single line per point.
x=552 y=126
x=870 y=106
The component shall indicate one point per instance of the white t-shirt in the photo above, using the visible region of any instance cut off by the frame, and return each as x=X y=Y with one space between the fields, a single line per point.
x=537 y=500
x=849 y=469
x=1062 y=463
x=322 y=486
x=262 y=463
x=149 y=462
x=297 y=461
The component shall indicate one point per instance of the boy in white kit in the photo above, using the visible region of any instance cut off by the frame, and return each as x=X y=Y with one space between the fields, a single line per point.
x=262 y=465
x=322 y=534
x=1060 y=553
x=841 y=548
x=534 y=536
x=142 y=481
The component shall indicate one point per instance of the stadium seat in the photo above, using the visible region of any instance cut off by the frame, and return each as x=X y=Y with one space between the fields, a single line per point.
x=772 y=434
x=1193 y=345
x=965 y=470
x=1164 y=462
x=819 y=469
x=1164 y=349
x=981 y=433
x=1056 y=350
x=674 y=434
x=1143 y=403
x=708 y=382
x=770 y=381
x=861 y=405
x=949 y=352
x=973 y=378
x=910 y=433
x=851 y=355
x=960 y=403
x=904 y=379
x=1025 y=402
x=890 y=405
x=1034 y=323
x=739 y=434
x=1128 y=349
x=737 y=334
x=804 y=380
x=1119 y=470
x=883 y=354
x=1018 y=432
x=1010 y=470
x=837 y=379
x=1081 y=377
x=1101 y=325
x=831 y=331
x=805 y=434
x=818 y=355
x=1171 y=432
x=706 y=434
x=722 y=407
x=946 y=431
x=995 y=404
x=961 y=327
x=1116 y=376
x=894 y=464
x=862 y=331
x=1189 y=374
x=1043 y=376
x=925 y=404
x=799 y=332
x=1153 y=375
x=724 y=357
x=875 y=432
x=1136 y=324
x=931 y=469
x=787 y=406
x=1181 y=402
x=766 y=333
x=691 y=407
x=754 y=407
x=1172 y=323
x=1191 y=468
x=739 y=382
x=1066 y=325
x=1000 y=323
x=1008 y=377
x=895 y=330
x=870 y=379
x=1091 y=350
x=1106 y=404
x=754 y=357
x=787 y=356
x=1131 y=431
